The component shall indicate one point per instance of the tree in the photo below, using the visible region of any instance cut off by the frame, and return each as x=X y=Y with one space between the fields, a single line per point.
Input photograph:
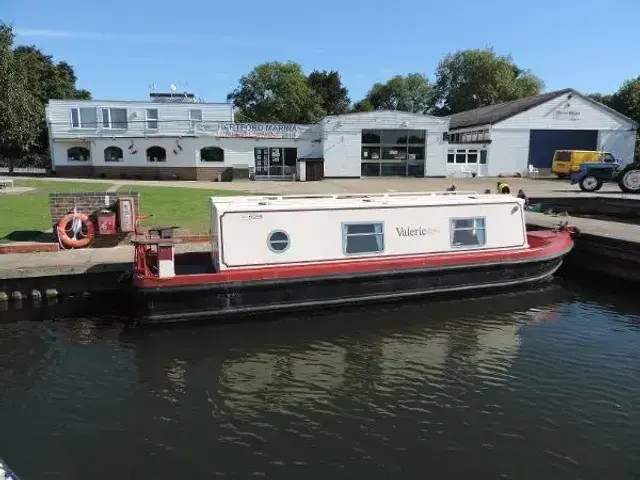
x=627 y=101
x=604 y=99
x=471 y=79
x=412 y=93
x=47 y=79
x=28 y=80
x=333 y=95
x=277 y=92
x=20 y=110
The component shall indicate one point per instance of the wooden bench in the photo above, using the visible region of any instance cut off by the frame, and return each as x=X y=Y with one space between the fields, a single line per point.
x=5 y=183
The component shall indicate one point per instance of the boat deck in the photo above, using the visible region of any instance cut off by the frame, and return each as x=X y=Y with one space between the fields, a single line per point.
x=193 y=263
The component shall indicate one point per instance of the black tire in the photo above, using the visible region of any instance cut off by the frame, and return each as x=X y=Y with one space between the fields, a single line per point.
x=629 y=181
x=590 y=183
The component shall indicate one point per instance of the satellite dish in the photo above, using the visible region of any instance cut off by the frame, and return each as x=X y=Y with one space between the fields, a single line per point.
x=173 y=87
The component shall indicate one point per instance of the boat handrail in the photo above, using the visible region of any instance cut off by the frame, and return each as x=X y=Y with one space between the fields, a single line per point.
x=343 y=196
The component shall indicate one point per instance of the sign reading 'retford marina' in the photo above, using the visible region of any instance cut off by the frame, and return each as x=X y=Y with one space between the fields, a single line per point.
x=258 y=130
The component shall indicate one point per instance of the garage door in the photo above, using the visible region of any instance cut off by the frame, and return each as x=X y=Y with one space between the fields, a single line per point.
x=542 y=144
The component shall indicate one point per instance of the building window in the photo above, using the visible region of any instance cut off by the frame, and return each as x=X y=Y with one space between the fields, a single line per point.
x=114 y=118
x=195 y=115
x=113 y=154
x=84 y=118
x=362 y=238
x=156 y=154
x=467 y=156
x=278 y=241
x=211 y=154
x=393 y=153
x=78 y=154
x=275 y=161
x=152 y=118
x=468 y=232
x=473 y=136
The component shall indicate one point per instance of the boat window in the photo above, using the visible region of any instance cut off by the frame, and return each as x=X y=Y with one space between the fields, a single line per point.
x=468 y=232
x=362 y=238
x=278 y=241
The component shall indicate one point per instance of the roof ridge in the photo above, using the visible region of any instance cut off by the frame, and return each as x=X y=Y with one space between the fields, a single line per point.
x=530 y=97
x=497 y=112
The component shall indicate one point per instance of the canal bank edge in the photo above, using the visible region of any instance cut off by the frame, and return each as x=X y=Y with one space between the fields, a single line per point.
x=601 y=247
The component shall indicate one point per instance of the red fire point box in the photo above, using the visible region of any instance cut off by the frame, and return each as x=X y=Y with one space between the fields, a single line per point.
x=107 y=223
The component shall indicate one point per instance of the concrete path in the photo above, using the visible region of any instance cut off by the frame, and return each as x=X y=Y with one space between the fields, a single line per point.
x=71 y=262
x=364 y=185
x=601 y=228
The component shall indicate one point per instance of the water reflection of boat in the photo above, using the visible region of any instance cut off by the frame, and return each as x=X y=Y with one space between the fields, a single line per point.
x=290 y=362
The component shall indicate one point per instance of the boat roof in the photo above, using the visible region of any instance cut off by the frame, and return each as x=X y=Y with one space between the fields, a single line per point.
x=362 y=200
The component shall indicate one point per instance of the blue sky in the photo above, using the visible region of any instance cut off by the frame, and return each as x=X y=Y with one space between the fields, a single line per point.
x=120 y=47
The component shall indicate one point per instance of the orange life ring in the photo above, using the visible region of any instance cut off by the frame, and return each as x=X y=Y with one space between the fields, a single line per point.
x=74 y=242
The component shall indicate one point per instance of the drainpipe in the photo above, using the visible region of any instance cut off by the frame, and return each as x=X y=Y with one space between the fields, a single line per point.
x=50 y=135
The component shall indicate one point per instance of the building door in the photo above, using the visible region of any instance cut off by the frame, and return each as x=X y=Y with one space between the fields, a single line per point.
x=262 y=162
x=276 y=163
x=290 y=160
x=543 y=143
x=315 y=171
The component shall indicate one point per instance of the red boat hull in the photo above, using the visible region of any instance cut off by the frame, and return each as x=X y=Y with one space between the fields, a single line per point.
x=257 y=290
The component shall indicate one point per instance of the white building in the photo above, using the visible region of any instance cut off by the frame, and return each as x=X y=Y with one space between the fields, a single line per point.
x=512 y=135
x=169 y=137
x=174 y=137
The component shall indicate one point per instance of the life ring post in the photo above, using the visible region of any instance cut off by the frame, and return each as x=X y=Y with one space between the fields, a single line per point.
x=75 y=230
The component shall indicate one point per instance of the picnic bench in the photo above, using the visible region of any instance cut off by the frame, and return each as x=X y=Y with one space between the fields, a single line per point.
x=6 y=183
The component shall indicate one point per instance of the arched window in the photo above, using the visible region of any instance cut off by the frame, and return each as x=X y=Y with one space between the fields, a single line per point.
x=278 y=241
x=113 y=154
x=156 y=154
x=78 y=154
x=212 y=154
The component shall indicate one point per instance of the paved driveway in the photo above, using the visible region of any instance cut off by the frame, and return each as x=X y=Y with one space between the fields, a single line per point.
x=333 y=186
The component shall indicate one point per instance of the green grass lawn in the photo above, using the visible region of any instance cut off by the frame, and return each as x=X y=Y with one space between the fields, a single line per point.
x=26 y=216
x=187 y=208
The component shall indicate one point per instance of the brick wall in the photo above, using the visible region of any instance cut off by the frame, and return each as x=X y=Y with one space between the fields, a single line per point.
x=75 y=171
x=212 y=174
x=90 y=203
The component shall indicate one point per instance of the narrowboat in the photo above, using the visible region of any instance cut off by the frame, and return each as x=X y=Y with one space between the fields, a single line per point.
x=279 y=253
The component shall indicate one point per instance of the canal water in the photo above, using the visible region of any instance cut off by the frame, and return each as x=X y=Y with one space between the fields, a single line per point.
x=541 y=384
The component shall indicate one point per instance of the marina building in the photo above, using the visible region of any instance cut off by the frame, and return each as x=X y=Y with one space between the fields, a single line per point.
x=173 y=136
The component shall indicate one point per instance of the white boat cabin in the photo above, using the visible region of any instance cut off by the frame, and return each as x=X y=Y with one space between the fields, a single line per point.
x=263 y=231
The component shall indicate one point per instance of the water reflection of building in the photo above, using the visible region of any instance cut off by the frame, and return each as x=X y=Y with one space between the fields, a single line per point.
x=280 y=379
x=283 y=379
x=414 y=357
x=418 y=356
x=497 y=348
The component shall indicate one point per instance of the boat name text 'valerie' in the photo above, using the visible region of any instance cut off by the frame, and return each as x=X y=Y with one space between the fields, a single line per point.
x=415 y=232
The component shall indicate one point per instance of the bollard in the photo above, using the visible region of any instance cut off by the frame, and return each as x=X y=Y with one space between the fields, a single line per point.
x=51 y=293
x=16 y=296
x=4 y=298
x=36 y=295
